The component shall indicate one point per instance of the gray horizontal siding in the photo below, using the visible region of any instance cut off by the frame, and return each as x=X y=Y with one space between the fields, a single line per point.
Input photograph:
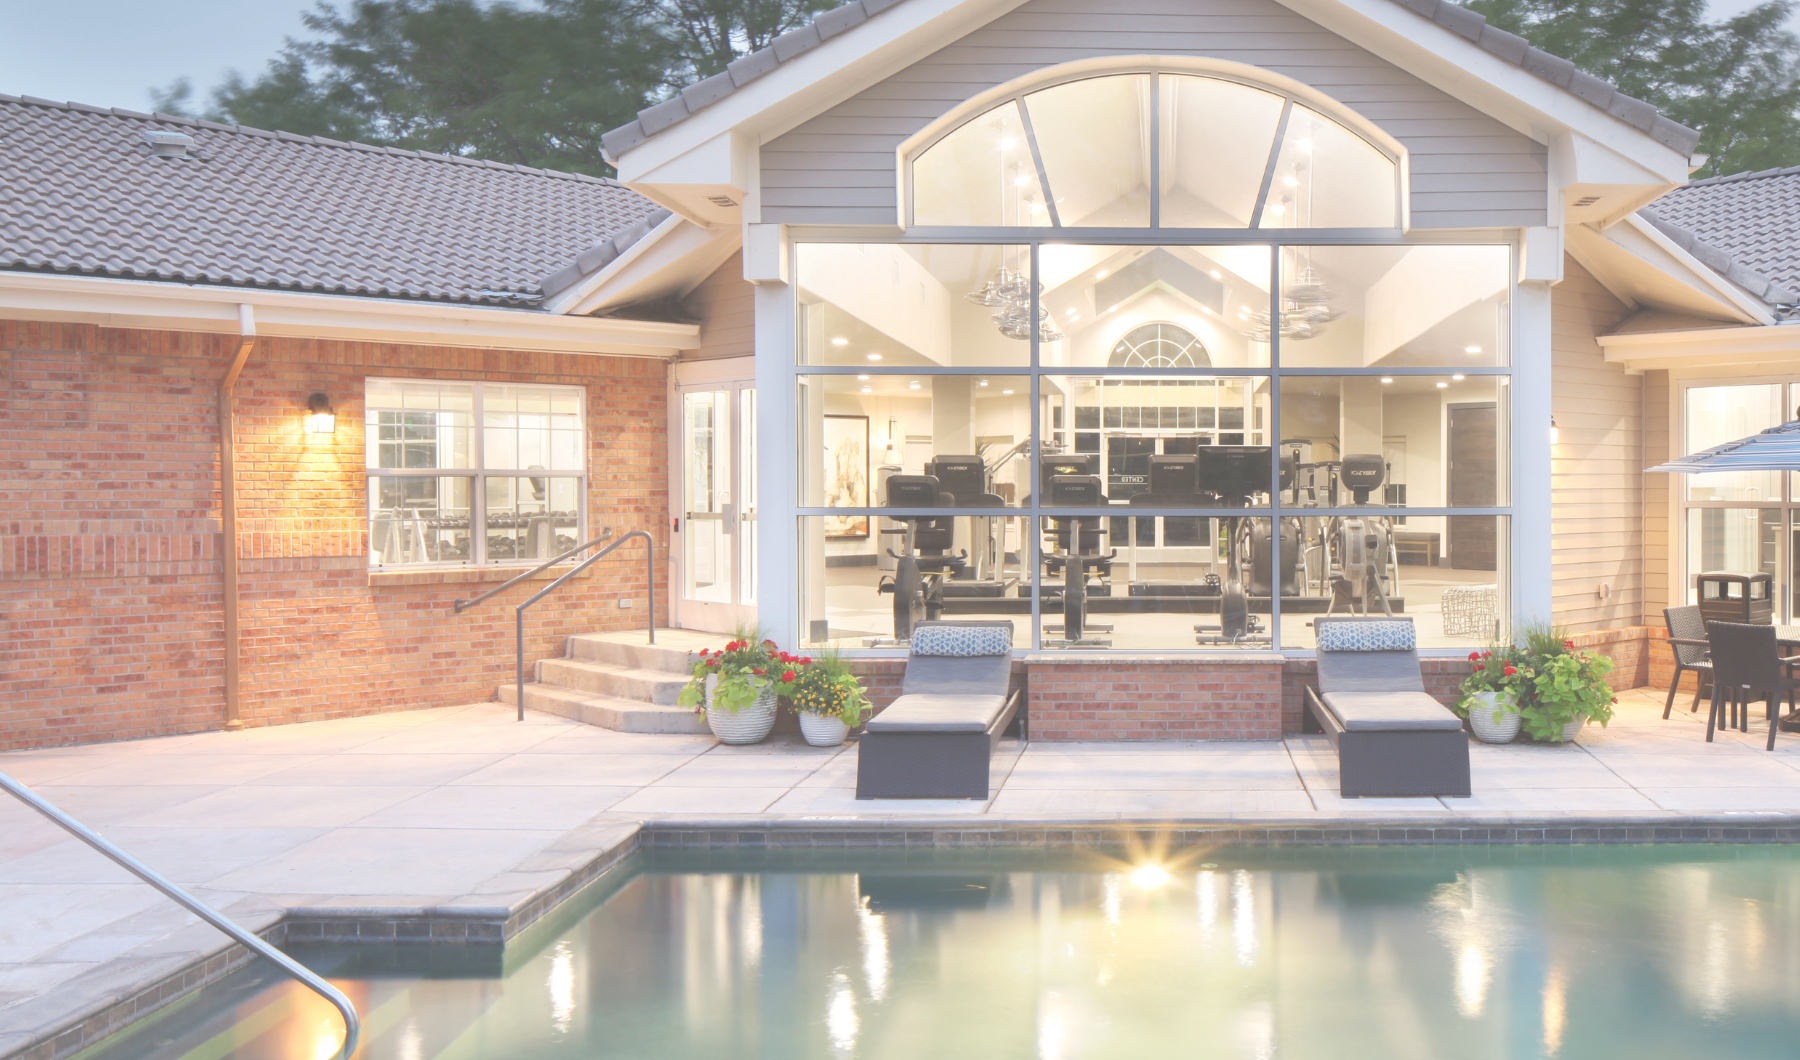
x=725 y=305
x=1468 y=170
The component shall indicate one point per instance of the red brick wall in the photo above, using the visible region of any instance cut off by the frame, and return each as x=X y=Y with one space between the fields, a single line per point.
x=110 y=578
x=1135 y=699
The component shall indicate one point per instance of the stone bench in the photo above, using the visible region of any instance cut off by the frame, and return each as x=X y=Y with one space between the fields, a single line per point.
x=937 y=739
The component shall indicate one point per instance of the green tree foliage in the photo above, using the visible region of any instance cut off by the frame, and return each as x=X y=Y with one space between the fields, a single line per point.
x=535 y=83
x=1736 y=80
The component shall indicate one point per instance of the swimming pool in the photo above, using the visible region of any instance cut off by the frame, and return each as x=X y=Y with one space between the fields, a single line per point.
x=1427 y=952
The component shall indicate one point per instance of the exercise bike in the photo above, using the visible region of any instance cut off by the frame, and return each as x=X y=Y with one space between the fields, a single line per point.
x=1360 y=543
x=923 y=561
x=1080 y=555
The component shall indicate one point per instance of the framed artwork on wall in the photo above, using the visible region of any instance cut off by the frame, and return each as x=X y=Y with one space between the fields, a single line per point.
x=846 y=474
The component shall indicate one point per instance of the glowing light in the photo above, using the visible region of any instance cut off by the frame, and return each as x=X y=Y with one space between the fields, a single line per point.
x=1277 y=210
x=840 y=1015
x=1304 y=145
x=1216 y=274
x=868 y=390
x=1556 y=1010
x=1110 y=899
x=983 y=383
x=874 y=356
x=1290 y=182
x=1459 y=377
x=1471 y=350
x=1007 y=143
x=1243 y=917
x=1023 y=180
x=1441 y=385
x=1149 y=877
x=839 y=340
x=914 y=385
x=1386 y=379
x=1472 y=971
x=862 y=377
x=876 y=965
x=561 y=987
x=1102 y=274
x=1008 y=392
x=1206 y=897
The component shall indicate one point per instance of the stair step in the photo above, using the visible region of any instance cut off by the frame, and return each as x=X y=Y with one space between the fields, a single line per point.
x=669 y=654
x=596 y=678
x=607 y=712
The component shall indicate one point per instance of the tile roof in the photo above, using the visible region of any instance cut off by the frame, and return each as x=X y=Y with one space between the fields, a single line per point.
x=1750 y=223
x=1465 y=23
x=81 y=192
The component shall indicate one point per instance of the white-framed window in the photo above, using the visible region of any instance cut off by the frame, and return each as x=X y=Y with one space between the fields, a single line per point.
x=464 y=474
x=1745 y=522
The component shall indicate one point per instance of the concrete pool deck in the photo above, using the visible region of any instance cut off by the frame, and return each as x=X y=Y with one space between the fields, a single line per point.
x=466 y=811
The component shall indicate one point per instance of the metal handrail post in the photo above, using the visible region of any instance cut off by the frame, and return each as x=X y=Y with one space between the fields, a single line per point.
x=519 y=612
x=352 y=1025
x=463 y=605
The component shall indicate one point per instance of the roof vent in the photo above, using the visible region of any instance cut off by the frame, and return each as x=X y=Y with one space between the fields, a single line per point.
x=1586 y=200
x=169 y=144
x=724 y=201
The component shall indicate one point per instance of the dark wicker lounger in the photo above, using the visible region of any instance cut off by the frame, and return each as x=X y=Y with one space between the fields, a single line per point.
x=1391 y=737
x=936 y=740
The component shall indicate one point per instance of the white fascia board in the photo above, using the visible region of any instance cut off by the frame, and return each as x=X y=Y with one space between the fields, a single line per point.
x=810 y=83
x=1699 y=347
x=1507 y=92
x=1645 y=242
x=153 y=305
x=673 y=257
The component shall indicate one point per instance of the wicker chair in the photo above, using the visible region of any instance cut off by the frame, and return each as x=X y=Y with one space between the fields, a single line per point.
x=1687 y=636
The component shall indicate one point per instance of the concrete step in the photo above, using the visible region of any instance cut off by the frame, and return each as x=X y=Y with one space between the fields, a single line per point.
x=670 y=653
x=607 y=712
x=659 y=687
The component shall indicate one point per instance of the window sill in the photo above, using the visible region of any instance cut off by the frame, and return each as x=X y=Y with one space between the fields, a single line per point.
x=386 y=576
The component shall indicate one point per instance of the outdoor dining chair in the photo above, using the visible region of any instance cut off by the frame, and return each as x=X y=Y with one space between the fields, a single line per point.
x=1687 y=635
x=1747 y=666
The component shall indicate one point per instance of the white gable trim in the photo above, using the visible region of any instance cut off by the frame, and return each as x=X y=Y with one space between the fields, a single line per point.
x=673 y=259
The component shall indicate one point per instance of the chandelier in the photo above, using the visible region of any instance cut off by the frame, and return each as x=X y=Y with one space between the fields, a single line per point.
x=1008 y=293
x=1306 y=307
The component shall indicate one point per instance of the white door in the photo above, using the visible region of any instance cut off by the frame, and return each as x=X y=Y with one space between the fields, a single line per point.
x=715 y=510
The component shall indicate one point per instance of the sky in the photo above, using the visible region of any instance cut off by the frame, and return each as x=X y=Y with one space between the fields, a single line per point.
x=111 y=53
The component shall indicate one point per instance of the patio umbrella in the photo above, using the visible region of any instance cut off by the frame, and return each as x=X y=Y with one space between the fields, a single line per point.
x=1776 y=449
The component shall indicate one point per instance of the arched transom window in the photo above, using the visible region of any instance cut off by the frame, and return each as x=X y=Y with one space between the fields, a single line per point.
x=1154 y=150
x=1160 y=345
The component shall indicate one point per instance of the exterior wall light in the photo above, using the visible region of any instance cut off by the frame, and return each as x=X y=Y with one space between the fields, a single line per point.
x=320 y=419
x=1555 y=433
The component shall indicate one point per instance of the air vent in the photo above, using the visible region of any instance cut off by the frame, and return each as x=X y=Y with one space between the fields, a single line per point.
x=169 y=144
x=1586 y=200
x=722 y=201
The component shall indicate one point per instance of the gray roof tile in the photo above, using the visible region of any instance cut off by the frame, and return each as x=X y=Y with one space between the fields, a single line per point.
x=1499 y=43
x=1750 y=221
x=80 y=193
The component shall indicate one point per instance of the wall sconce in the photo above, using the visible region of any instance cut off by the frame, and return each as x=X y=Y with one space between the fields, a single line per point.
x=320 y=419
x=1555 y=433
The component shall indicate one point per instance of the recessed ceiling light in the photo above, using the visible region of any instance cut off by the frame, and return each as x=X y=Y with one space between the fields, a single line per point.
x=862 y=378
x=1008 y=392
x=1471 y=349
x=868 y=390
x=1023 y=180
x=1459 y=377
x=1102 y=274
x=839 y=340
x=1277 y=209
x=1386 y=379
x=1303 y=144
x=914 y=385
x=982 y=383
x=1290 y=182
x=1441 y=385
x=874 y=356
x=1007 y=143
x=1216 y=274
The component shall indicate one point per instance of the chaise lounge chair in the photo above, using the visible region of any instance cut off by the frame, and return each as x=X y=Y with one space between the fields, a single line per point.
x=935 y=741
x=1391 y=737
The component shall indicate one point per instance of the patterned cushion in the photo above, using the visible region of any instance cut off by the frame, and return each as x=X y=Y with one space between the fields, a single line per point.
x=962 y=640
x=1380 y=634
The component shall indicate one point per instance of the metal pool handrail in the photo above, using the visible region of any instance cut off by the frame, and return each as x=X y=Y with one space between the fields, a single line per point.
x=352 y=1025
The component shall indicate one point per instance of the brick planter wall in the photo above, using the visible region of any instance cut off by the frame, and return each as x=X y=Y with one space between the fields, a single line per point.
x=1113 y=697
x=111 y=590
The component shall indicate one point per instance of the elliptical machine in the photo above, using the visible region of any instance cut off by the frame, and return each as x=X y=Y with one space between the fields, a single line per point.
x=1361 y=543
x=1080 y=555
x=923 y=560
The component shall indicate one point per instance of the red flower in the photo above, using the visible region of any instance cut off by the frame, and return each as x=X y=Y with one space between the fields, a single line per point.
x=788 y=676
x=713 y=663
x=806 y=660
x=1479 y=666
x=1569 y=644
x=1474 y=655
x=1510 y=671
x=769 y=644
x=758 y=671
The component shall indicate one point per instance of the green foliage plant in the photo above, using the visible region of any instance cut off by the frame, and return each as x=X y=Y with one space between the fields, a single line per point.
x=1566 y=684
x=825 y=686
x=1500 y=669
x=745 y=668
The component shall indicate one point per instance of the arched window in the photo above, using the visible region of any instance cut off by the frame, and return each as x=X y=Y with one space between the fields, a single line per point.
x=1154 y=150
x=1159 y=345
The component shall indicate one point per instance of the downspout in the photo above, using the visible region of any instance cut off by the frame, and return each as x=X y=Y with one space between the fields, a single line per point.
x=228 y=539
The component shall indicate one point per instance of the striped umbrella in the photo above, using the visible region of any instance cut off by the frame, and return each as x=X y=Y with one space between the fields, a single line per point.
x=1776 y=449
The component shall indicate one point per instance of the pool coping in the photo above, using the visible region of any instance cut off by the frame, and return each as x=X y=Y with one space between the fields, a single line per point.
x=478 y=919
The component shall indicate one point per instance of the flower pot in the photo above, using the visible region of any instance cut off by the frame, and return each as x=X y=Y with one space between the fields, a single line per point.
x=821 y=731
x=1571 y=730
x=1493 y=717
x=749 y=725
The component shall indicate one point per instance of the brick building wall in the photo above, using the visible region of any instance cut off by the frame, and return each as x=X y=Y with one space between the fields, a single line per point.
x=111 y=592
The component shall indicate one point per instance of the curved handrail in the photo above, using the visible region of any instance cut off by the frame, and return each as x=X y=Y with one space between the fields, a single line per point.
x=519 y=612
x=463 y=605
x=352 y=1025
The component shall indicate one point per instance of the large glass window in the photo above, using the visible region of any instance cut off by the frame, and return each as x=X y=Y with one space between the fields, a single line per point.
x=1737 y=521
x=471 y=473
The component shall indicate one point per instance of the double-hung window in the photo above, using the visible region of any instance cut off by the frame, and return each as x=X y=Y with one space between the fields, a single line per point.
x=473 y=473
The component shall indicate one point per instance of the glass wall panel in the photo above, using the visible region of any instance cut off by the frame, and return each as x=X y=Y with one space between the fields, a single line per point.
x=532 y=427
x=1403 y=440
x=981 y=175
x=847 y=596
x=969 y=431
x=534 y=517
x=1739 y=540
x=1099 y=298
x=1351 y=562
x=1094 y=139
x=1203 y=186
x=1328 y=177
x=419 y=519
x=917 y=305
x=1390 y=307
x=1719 y=414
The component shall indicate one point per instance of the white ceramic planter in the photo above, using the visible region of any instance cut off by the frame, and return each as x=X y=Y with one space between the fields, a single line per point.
x=821 y=731
x=1493 y=718
x=749 y=725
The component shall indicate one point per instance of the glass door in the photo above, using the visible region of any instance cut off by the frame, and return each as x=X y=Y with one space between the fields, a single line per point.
x=715 y=520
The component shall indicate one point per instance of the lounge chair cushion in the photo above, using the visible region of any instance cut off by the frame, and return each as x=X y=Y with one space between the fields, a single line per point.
x=1390 y=711
x=928 y=712
x=1366 y=635
x=962 y=640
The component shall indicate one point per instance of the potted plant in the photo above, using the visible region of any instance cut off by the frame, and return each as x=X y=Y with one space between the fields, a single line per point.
x=827 y=699
x=737 y=686
x=1568 y=687
x=1492 y=692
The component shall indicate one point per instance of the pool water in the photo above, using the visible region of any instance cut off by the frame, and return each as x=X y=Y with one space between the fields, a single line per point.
x=1341 y=953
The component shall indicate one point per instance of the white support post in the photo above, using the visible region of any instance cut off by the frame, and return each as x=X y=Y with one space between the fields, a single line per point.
x=778 y=460
x=1531 y=455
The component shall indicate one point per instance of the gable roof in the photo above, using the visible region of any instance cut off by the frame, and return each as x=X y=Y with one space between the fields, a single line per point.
x=81 y=192
x=1498 y=42
x=1749 y=221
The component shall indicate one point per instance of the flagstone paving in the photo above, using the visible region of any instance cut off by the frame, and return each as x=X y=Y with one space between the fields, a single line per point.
x=468 y=808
